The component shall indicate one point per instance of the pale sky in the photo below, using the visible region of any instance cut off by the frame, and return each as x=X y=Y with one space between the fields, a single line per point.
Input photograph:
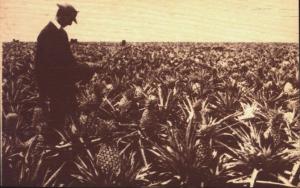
x=158 y=20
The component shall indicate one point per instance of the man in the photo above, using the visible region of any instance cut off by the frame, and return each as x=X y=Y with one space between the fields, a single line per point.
x=57 y=72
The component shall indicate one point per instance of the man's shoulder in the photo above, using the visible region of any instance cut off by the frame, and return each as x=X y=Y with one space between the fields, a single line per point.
x=48 y=30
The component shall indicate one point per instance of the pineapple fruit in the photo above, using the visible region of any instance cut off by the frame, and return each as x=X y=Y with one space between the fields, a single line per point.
x=203 y=149
x=277 y=125
x=108 y=160
x=39 y=122
x=148 y=121
x=127 y=106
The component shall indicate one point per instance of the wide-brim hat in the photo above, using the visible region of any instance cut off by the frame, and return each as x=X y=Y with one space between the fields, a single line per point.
x=68 y=10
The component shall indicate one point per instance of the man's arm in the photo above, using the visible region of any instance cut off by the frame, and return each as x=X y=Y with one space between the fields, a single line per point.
x=76 y=71
x=58 y=63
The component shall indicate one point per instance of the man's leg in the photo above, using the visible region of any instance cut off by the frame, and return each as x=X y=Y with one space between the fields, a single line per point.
x=73 y=111
x=56 y=121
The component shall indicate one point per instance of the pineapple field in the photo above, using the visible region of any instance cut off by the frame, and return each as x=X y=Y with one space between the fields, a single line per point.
x=160 y=115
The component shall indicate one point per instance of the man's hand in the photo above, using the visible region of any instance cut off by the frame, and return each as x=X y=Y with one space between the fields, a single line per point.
x=85 y=71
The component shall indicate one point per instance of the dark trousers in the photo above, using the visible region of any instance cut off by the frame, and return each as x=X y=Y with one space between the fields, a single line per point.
x=59 y=109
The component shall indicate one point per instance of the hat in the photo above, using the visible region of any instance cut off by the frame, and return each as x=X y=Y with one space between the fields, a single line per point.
x=68 y=9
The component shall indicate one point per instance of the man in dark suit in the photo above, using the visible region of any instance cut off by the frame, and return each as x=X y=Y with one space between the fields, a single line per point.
x=57 y=72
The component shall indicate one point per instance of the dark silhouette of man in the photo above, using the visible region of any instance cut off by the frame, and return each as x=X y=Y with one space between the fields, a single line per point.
x=57 y=72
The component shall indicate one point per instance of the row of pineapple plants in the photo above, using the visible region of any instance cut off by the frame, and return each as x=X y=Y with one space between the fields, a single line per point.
x=164 y=131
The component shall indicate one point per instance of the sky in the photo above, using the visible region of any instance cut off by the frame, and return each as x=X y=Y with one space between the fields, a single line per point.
x=158 y=20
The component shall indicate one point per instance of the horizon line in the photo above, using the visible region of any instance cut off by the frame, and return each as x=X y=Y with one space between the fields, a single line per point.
x=113 y=41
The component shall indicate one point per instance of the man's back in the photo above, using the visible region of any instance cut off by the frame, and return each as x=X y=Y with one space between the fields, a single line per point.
x=54 y=60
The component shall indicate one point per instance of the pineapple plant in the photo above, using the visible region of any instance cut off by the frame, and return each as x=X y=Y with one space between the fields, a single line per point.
x=168 y=108
x=23 y=164
x=130 y=174
x=107 y=157
x=10 y=155
x=224 y=103
x=128 y=109
x=184 y=159
x=278 y=124
x=253 y=159
x=191 y=141
x=149 y=119
x=36 y=148
x=206 y=137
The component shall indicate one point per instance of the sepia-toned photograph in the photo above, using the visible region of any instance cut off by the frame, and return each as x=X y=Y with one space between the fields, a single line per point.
x=149 y=93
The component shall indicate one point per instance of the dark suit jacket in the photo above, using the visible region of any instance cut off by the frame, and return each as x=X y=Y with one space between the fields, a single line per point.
x=56 y=69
